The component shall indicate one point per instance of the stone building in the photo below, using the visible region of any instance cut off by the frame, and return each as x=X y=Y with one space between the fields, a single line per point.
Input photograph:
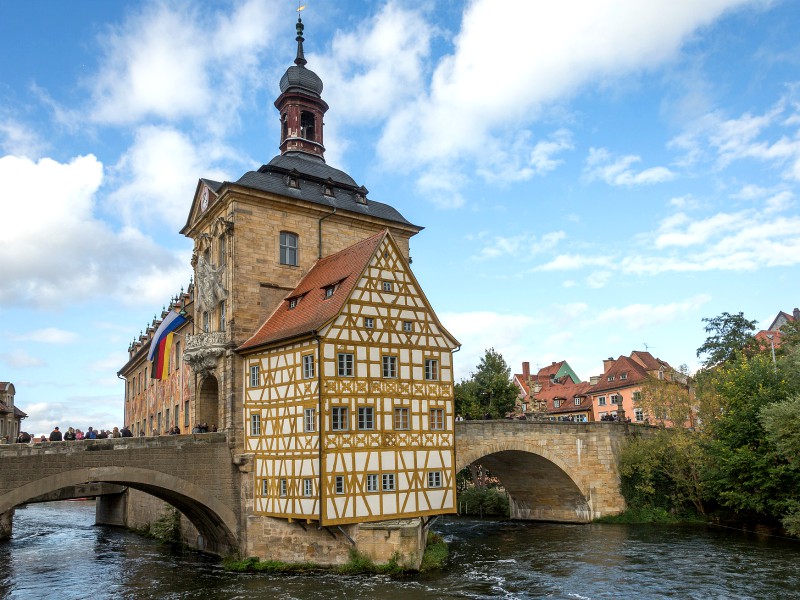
x=10 y=416
x=298 y=237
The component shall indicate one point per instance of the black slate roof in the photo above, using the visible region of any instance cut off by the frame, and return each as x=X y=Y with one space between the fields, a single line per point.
x=312 y=174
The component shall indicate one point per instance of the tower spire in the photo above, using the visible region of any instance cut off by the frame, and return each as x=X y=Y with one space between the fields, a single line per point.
x=300 y=61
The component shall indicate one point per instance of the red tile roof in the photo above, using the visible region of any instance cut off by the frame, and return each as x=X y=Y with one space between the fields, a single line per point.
x=566 y=393
x=633 y=371
x=313 y=309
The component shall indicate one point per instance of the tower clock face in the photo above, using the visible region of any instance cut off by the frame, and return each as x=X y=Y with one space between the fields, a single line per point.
x=204 y=199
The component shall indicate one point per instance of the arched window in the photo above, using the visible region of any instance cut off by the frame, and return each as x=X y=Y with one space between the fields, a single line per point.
x=307 y=126
x=288 y=248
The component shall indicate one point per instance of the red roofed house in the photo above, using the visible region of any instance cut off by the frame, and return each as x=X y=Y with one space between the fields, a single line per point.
x=771 y=338
x=349 y=395
x=529 y=386
x=619 y=388
x=10 y=416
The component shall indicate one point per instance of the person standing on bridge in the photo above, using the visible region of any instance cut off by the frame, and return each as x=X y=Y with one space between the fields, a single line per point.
x=55 y=435
x=125 y=432
x=70 y=435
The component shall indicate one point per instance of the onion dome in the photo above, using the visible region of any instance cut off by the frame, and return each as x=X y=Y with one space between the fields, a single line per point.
x=298 y=77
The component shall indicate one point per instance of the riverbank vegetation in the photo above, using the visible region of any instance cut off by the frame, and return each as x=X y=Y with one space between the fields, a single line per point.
x=741 y=462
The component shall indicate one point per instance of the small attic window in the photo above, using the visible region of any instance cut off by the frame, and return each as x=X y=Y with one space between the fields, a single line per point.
x=611 y=378
x=623 y=376
x=327 y=188
x=361 y=195
x=329 y=289
x=292 y=180
x=292 y=303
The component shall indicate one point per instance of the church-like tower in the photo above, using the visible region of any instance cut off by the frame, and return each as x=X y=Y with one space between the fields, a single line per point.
x=301 y=106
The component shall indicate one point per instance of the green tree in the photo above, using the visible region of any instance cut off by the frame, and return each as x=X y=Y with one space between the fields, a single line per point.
x=729 y=335
x=489 y=390
x=670 y=399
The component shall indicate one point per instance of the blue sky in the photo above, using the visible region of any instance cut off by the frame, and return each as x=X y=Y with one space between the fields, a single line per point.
x=593 y=177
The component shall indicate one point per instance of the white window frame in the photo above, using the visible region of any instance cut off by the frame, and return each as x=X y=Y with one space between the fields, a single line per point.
x=372 y=482
x=255 y=424
x=369 y=322
x=402 y=418
x=389 y=366
x=387 y=286
x=339 y=418
x=601 y=401
x=366 y=418
x=434 y=479
x=283 y=487
x=289 y=248
x=408 y=326
x=255 y=375
x=338 y=484
x=310 y=420
x=308 y=487
x=437 y=419
x=431 y=369
x=264 y=487
x=577 y=401
x=388 y=482
x=345 y=364
x=638 y=415
x=308 y=366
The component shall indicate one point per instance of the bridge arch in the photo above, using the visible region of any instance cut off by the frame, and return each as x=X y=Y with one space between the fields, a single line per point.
x=216 y=522
x=540 y=485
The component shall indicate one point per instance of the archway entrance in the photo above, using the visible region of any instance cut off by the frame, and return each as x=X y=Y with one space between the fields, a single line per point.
x=207 y=404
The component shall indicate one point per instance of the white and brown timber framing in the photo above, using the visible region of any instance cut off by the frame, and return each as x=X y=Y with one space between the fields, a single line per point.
x=325 y=475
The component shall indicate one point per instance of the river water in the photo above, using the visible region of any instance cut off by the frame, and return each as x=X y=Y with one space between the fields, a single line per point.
x=56 y=551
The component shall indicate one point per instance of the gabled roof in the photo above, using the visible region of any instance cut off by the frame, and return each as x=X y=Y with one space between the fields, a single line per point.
x=566 y=393
x=647 y=360
x=313 y=309
x=634 y=373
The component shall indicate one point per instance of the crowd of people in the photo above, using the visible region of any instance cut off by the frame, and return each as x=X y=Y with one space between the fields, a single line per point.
x=73 y=434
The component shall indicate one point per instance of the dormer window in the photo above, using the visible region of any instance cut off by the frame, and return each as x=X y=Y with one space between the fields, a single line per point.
x=577 y=401
x=292 y=180
x=611 y=378
x=327 y=188
x=292 y=303
x=623 y=376
x=557 y=403
x=329 y=289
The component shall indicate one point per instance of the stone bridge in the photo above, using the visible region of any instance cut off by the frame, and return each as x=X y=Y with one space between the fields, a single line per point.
x=194 y=473
x=552 y=470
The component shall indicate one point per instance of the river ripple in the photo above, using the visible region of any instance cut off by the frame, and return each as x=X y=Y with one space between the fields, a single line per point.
x=57 y=552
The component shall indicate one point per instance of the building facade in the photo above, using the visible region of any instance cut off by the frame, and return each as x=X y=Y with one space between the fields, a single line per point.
x=10 y=415
x=308 y=340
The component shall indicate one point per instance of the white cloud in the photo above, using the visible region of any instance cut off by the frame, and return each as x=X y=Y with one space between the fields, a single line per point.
x=601 y=164
x=19 y=359
x=19 y=140
x=567 y=262
x=98 y=412
x=644 y=316
x=495 y=83
x=158 y=176
x=48 y=335
x=524 y=245
x=63 y=253
x=172 y=60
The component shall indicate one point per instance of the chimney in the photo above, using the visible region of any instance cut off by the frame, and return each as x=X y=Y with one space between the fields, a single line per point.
x=594 y=379
x=526 y=370
x=607 y=364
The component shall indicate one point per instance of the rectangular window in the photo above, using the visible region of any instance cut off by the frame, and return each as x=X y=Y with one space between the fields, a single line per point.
x=369 y=322
x=308 y=366
x=340 y=484
x=255 y=424
x=388 y=482
x=372 y=482
x=329 y=291
x=611 y=378
x=437 y=418
x=345 y=364
x=339 y=418
x=637 y=396
x=556 y=403
x=186 y=414
x=431 y=369
x=221 y=251
x=264 y=487
x=222 y=316
x=292 y=303
x=366 y=417
x=623 y=376
x=310 y=420
x=283 y=488
x=166 y=417
x=308 y=487
x=638 y=414
x=408 y=326
x=206 y=322
x=288 y=248
x=390 y=367
x=387 y=286
x=601 y=401
x=615 y=399
x=254 y=375
x=178 y=357
x=401 y=420
x=577 y=401
x=434 y=479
